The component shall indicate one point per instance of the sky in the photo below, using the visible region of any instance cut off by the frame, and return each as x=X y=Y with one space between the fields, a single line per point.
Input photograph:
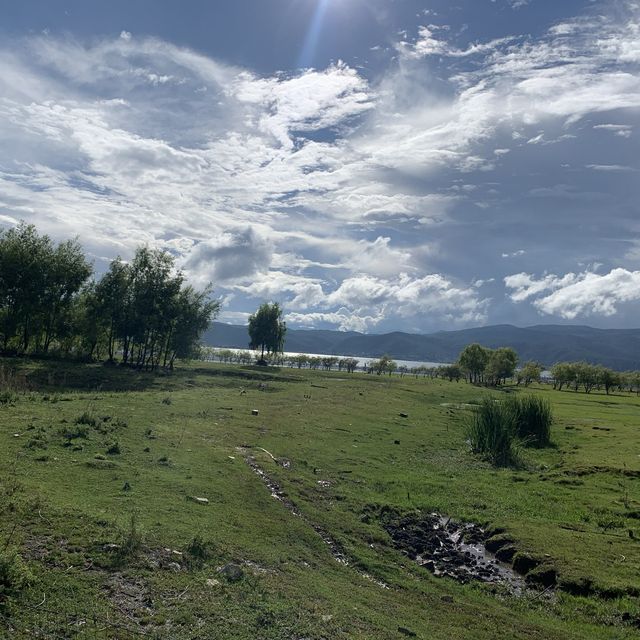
x=372 y=165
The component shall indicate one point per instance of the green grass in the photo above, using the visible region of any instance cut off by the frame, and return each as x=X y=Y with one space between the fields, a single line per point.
x=65 y=502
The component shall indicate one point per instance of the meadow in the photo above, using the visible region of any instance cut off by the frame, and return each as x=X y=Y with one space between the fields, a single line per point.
x=163 y=507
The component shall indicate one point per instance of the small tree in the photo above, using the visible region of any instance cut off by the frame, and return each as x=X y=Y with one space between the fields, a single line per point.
x=530 y=372
x=267 y=330
x=473 y=359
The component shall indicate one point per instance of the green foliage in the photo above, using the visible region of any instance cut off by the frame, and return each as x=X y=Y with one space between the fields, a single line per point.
x=130 y=542
x=39 y=283
x=529 y=372
x=87 y=418
x=533 y=418
x=14 y=575
x=498 y=429
x=267 y=329
x=142 y=309
x=198 y=552
x=473 y=359
x=492 y=432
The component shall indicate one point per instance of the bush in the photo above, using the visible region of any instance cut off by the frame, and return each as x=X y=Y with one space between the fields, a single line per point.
x=114 y=449
x=492 y=433
x=198 y=552
x=7 y=396
x=86 y=418
x=533 y=418
x=14 y=575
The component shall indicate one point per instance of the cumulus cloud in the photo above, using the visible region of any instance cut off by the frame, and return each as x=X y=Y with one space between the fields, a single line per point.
x=577 y=294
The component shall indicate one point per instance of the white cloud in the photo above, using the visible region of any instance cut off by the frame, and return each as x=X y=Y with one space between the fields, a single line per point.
x=622 y=130
x=610 y=167
x=580 y=294
x=325 y=189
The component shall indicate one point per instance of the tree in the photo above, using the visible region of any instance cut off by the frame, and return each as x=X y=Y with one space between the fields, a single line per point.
x=500 y=365
x=473 y=359
x=608 y=378
x=530 y=372
x=267 y=330
x=563 y=373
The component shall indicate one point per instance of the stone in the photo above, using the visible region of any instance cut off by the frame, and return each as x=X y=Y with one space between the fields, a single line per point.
x=404 y=415
x=212 y=582
x=199 y=500
x=254 y=412
x=232 y=572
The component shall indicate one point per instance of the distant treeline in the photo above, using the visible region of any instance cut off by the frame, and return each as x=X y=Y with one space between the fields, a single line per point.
x=577 y=375
x=140 y=312
x=476 y=364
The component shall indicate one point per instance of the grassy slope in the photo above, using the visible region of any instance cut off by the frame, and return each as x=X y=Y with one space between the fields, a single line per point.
x=570 y=507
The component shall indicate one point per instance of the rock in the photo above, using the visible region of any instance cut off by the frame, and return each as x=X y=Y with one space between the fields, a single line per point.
x=404 y=415
x=254 y=412
x=212 y=582
x=232 y=572
x=199 y=500
x=174 y=566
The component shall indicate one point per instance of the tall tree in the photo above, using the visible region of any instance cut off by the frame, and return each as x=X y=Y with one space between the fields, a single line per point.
x=267 y=330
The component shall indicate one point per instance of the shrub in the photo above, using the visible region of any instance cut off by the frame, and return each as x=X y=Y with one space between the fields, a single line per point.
x=198 y=552
x=533 y=418
x=86 y=418
x=114 y=449
x=14 y=575
x=7 y=396
x=130 y=542
x=492 y=433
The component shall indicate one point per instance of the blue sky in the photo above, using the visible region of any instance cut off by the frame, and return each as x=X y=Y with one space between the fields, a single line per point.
x=372 y=165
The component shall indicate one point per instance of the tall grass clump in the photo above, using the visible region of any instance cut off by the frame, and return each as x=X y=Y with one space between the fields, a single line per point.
x=492 y=431
x=533 y=417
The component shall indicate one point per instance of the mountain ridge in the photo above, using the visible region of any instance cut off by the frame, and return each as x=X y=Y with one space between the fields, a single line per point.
x=547 y=343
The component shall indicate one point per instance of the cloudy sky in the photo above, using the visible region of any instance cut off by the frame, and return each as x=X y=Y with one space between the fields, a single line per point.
x=373 y=165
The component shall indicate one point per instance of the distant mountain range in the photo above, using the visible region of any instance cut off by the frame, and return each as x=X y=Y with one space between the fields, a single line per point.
x=615 y=348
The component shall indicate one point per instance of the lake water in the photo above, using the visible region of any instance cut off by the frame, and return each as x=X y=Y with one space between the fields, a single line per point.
x=362 y=360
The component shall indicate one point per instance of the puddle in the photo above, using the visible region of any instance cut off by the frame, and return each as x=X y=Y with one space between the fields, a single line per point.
x=448 y=549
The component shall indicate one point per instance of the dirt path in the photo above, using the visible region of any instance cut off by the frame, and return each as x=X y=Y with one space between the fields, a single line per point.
x=335 y=547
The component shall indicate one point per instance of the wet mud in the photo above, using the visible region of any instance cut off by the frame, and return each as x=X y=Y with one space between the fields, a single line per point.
x=448 y=549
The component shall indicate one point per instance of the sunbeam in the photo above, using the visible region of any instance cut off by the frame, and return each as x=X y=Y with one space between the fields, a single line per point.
x=311 y=41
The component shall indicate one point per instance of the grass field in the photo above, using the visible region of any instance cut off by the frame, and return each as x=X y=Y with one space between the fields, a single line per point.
x=100 y=468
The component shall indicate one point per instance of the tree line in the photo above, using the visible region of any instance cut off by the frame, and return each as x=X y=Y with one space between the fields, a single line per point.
x=582 y=375
x=141 y=312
